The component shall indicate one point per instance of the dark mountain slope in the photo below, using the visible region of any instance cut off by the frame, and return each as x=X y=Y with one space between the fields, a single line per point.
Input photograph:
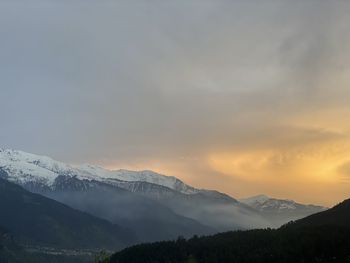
x=337 y=216
x=41 y=221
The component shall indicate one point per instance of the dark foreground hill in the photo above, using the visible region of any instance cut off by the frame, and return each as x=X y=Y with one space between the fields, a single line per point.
x=337 y=216
x=38 y=221
x=324 y=237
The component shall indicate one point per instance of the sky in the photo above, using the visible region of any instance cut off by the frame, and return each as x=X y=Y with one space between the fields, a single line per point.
x=246 y=97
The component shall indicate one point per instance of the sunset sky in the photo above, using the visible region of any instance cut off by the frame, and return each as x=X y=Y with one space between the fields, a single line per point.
x=246 y=97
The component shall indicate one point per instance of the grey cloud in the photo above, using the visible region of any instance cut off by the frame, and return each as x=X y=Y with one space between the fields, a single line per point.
x=84 y=80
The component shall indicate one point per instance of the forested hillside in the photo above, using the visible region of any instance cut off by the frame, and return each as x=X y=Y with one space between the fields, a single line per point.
x=324 y=237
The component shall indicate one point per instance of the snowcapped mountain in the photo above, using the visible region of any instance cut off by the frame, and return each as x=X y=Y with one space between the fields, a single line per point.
x=280 y=211
x=41 y=172
x=139 y=176
x=58 y=180
x=140 y=189
x=111 y=195
x=23 y=168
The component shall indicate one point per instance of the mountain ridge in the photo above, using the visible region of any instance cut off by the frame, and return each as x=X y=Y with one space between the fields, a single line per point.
x=210 y=208
x=47 y=170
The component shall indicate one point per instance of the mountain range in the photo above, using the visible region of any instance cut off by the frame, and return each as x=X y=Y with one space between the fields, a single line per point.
x=134 y=206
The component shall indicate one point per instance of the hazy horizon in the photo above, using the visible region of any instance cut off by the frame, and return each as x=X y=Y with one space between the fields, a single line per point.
x=245 y=97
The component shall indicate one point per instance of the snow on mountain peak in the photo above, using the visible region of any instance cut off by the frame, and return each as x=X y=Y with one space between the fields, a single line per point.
x=255 y=199
x=262 y=202
x=24 y=167
x=143 y=176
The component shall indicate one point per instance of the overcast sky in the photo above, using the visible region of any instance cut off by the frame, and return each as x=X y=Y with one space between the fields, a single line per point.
x=246 y=97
